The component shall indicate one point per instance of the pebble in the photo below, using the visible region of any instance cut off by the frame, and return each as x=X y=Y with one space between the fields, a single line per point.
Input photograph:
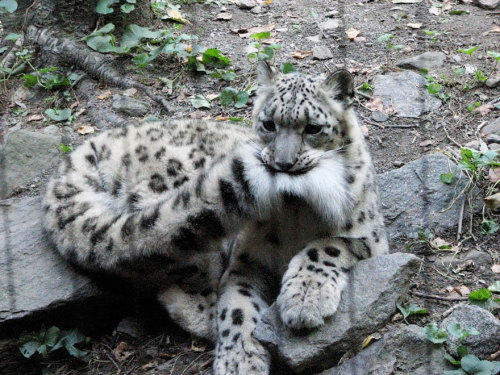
x=493 y=138
x=379 y=116
x=493 y=82
x=322 y=53
x=398 y=163
x=330 y=25
x=488 y=4
x=426 y=60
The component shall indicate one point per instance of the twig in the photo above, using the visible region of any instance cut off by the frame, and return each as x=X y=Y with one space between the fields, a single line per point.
x=112 y=360
x=451 y=139
x=460 y=219
x=441 y=298
x=372 y=123
x=403 y=126
x=360 y=93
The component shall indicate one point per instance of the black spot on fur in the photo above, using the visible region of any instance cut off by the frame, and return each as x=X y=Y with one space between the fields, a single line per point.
x=244 y=292
x=208 y=223
x=225 y=333
x=343 y=269
x=205 y=292
x=348 y=225
x=313 y=254
x=311 y=267
x=361 y=217
x=237 y=317
x=173 y=167
x=375 y=236
x=272 y=238
x=256 y=307
x=149 y=220
x=200 y=307
x=91 y=159
x=181 y=181
x=157 y=183
x=132 y=199
x=350 y=179
x=223 y=314
x=160 y=153
x=229 y=198
x=238 y=170
x=332 y=251
x=186 y=239
x=329 y=264
x=117 y=185
x=126 y=160
x=199 y=163
x=199 y=184
x=128 y=227
x=236 y=337
x=245 y=258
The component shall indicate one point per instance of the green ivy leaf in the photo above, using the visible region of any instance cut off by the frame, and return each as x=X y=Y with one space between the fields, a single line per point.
x=55 y=81
x=12 y=37
x=494 y=54
x=261 y=36
x=480 y=295
x=9 y=5
x=133 y=35
x=458 y=12
x=469 y=51
x=411 y=309
x=462 y=351
x=241 y=99
x=227 y=75
x=30 y=80
x=58 y=114
x=385 y=37
x=104 y=6
x=68 y=341
x=434 y=334
x=199 y=101
x=214 y=57
x=447 y=178
x=127 y=8
x=474 y=366
x=489 y=226
x=287 y=67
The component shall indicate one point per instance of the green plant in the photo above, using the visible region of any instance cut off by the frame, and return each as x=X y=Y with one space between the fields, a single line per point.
x=263 y=52
x=232 y=96
x=106 y=6
x=48 y=79
x=434 y=334
x=432 y=34
x=46 y=341
x=410 y=309
x=287 y=67
x=60 y=114
x=485 y=298
x=386 y=39
x=366 y=87
x=65 y=148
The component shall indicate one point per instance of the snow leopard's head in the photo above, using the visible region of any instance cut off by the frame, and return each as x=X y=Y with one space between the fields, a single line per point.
x=300 y=119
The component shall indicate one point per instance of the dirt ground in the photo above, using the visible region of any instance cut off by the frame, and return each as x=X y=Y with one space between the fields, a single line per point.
x=167 y=350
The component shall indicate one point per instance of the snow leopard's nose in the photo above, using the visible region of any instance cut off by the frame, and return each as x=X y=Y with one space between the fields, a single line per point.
x=284 y=166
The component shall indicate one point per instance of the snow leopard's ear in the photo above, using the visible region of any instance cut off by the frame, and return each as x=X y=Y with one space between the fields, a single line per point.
x=340 y=86
x=265 y=74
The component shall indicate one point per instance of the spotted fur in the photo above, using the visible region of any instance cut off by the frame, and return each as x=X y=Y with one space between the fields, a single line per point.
x=223 y=220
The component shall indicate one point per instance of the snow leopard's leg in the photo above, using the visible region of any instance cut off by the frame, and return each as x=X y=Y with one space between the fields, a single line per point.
x=312 y=285
x=242 y=300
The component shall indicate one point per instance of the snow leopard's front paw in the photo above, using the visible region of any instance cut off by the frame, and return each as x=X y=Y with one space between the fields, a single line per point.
x=308 y=298
x=241 y=357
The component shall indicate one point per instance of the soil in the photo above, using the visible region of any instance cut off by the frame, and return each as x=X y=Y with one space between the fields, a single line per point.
x=165 y=349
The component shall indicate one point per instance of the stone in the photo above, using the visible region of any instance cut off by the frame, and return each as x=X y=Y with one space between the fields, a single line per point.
x=33 y=277
x=379 y=116
x=367 y=304
x=401 y=351
x=322 y=53
x=488 y=4
x=314 y=38
x=27 y=155
x=482 y=345
x=51 y=130
x=493 y=127
x=494 y=146
x=247 y=4
x=426 y=60
x=332 y=14
x=473 y=145
x=493 y=138
x=330 y=25
x=406 y=92
x=493 y=82
x=129 y=106
x=130 y=327
x=426 y=198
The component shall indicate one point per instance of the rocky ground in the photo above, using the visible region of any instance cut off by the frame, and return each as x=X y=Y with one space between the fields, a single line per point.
x=411 y=118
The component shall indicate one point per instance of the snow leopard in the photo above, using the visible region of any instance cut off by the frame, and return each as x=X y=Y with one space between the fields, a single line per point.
x=222 y=220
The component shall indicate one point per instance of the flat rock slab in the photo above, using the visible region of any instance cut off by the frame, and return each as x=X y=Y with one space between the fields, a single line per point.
x=129 y=106
x=426 y=60
x=405 y=91
x=26 y=155
x=414 y=197
x=366 y=305
x=33 y=277
x=400 y=352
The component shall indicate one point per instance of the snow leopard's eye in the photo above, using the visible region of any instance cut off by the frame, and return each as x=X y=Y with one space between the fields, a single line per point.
x=269 y=126
x=312 y=129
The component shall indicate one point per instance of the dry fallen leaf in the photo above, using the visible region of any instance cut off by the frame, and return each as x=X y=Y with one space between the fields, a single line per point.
x=416 y=25
x=130 y=92
x=484 y=109
x=85 y=129
x=493 y=201
x=211 y=97
x=245 y=33
x=376 y=104
x=105 y=95
x=495 y=268
x=438 y=243
x=35 y=118
x=224 y=16
x=123 y=351
x=222 y=118
x=426 y=143
x=462 y=290
x=175 y=15
x=352 y=33
x=494 y=174
x=198 y=345
x=301 y=54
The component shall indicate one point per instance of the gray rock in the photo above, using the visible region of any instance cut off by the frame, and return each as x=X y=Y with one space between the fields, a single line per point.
x=379 y=116
x=493 y=138
x=406 y=92
x=494 y=146
x=332 y=14
x=400 y=352
x=492 y=128
x=27 y=155
x=493 y=82
x=426 y=60
x=366 y=305
x=129 y=106
x=246 y=4
x=474 y=145
x=33 y=277
x=488 y=4
x=51 y=130
x=482 y=345
x=330 y=25
x=130 y=327
x=314 y=38
x=425 y=197
x=322 y=53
